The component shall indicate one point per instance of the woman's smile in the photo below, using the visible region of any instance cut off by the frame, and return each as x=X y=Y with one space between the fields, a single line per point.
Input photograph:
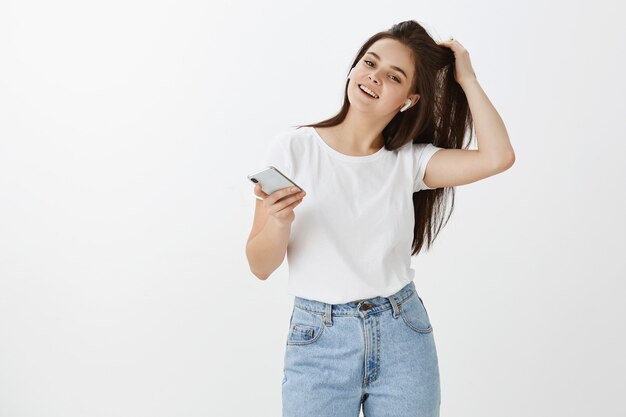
x=368 y=91
x=365 y=93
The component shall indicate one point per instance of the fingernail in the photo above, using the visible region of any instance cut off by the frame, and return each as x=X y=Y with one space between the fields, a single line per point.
x=294 y=189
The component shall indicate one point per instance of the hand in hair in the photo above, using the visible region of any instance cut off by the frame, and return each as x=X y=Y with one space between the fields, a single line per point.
x=463 y=71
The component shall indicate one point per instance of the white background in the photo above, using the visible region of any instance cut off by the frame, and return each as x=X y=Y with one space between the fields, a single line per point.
x=127 y=129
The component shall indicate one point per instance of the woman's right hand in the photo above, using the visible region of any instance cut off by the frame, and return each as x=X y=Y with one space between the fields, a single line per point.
x=280 y=203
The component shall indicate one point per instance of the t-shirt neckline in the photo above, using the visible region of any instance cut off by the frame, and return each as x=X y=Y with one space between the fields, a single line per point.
x=343 y=156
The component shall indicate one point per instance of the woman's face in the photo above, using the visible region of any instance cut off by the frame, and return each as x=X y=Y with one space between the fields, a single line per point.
x=386 y=68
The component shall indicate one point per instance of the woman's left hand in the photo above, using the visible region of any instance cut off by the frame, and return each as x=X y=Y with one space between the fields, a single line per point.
x=463 y=71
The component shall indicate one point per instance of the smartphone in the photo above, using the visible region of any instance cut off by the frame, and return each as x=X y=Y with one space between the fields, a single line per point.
x=271 y=179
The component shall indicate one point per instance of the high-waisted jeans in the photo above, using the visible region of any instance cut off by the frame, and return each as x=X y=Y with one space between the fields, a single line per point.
x=378 y=354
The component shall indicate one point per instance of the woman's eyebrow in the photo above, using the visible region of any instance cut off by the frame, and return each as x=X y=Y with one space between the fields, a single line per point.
x=392 y=66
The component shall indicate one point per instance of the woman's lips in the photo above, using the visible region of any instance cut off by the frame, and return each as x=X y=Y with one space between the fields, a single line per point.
x=361 y=90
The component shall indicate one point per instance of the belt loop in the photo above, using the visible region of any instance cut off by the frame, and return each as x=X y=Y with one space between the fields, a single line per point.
x=395 y=308
x=328 y=315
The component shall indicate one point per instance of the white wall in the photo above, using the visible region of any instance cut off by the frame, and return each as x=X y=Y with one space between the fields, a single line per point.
x=127 y=130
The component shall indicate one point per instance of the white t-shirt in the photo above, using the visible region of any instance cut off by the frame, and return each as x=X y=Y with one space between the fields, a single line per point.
x=351 y=236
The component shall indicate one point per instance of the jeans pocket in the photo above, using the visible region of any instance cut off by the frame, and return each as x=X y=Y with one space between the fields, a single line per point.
x=414 y=314
x=305 y=327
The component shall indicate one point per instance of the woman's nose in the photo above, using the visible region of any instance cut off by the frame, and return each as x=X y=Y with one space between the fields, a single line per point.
x=374 y=78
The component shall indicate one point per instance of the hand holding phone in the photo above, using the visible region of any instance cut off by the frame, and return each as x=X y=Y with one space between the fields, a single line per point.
x=279 y=193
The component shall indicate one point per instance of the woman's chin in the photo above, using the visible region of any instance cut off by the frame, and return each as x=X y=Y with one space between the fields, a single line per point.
x=361 y=103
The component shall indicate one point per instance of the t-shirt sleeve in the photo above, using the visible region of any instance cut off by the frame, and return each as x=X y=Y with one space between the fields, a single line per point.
x=276 y=155
x=422 y=152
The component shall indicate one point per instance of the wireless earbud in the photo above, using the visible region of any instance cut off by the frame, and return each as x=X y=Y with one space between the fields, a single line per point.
x=406 y=104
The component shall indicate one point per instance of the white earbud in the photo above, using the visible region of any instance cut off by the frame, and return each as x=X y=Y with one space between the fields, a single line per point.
x=406 y=104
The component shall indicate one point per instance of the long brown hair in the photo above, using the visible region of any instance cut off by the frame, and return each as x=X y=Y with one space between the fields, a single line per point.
x=441 y=117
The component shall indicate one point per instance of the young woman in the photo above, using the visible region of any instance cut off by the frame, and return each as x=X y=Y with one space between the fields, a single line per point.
x=376 y=176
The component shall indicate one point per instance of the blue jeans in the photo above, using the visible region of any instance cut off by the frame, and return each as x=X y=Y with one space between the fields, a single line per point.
x=377 y=353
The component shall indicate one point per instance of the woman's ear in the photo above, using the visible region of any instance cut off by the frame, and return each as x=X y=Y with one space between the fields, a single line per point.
x=414 y=99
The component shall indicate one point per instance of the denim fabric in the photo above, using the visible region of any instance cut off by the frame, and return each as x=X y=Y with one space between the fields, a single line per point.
x=378 y=354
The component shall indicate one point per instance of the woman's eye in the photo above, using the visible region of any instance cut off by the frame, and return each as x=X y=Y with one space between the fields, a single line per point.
x=396 y=78
x=366 y=61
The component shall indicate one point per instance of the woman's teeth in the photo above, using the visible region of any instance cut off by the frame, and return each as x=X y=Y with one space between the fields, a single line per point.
x=368 y=91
